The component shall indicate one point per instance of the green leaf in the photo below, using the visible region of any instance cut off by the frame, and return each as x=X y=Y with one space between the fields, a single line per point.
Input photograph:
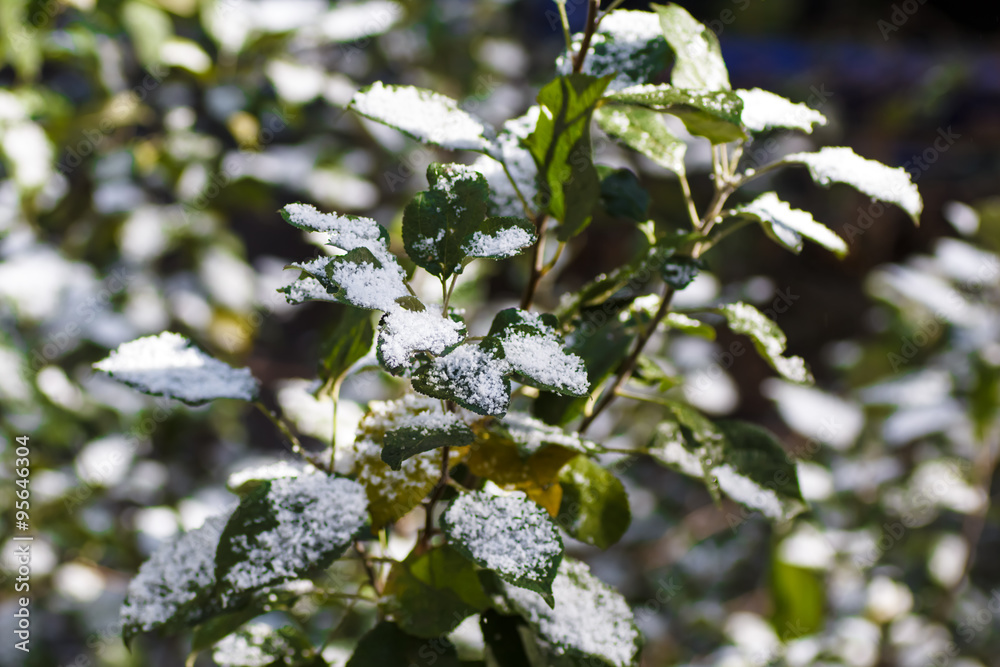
x=698 y=62
x=348 y=341
x=560 y=146
x=711 y=114
x=428 y=117
x=690 y=326
x=499 y=238
x=259 y=645
x=788 y=225
x=437 y=431
x=431 y=593
x=474 y=376
x=799 y=598
x=649 y=373
x=590 y=624
x=740 y=459
x=437 y=222
x=627 y=44
x=878 y=181
x=679 y=271
x=537 y=353
x=169 y=365
x=285 y=529
x=405 y=332
x=594 y=506
x=763 y=110
x=502 y=636
x=386 y=645
x=214 y=629
x=509 y=535
x=149 y=28
x=622 y=196
x=643 y=131
x=769 y=340
x=20 y=47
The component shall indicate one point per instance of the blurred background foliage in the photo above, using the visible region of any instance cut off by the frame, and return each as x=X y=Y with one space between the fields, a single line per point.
x=146 y=148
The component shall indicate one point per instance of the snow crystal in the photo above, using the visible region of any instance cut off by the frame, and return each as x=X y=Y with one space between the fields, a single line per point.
x=255 y=645
x=541 y=358
x=878 y=181
x=173 y=577
x=315 y=514
x=474 y=376
x=424 y=115
x=505 y=243
x=763 y=110
x=168 y=365
x=589 y=616
x=511 y=535
x=770 y=209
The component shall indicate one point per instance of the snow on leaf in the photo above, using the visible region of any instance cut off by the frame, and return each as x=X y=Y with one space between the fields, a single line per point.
x=169 y=365
x=474 y=376
x=714 y=114
x=698 y=62
x=426 y=116
x=590 y=619
x=789 y=224
x=763 y=110
x=508 y=149
x=286 y=528
x=644 y=131
x=423 y=432
x=245 y=480
x=878 y=181
x=510 y=535
x=531 y=435
x=260 y=645
x=500 y=238
x=403 y=333
x=305 y=289
x=769 y=340
x=536 y=352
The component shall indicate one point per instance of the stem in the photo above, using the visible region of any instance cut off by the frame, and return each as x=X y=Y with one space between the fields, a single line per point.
x=439 y=488
x=447 y=294
x=686 y=189
x=564 y=20
x=335 y=397
x=625 y=370
x=287 y=432
x=517 y=190
x=588 y=33
x=369 y=570
x=537 y=261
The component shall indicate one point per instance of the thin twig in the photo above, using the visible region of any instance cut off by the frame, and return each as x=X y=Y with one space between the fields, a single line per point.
x=439 y=488
x=369 y=570
x=537 y=262
x=588 y=33
x=292 y=439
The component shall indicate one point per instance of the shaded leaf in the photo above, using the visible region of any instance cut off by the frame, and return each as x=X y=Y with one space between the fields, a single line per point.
x=622 y=196
x=502 y=637
x=386 y=645
x=260 y=645
x=349 y=341
x=594 y=506
x=441 y=430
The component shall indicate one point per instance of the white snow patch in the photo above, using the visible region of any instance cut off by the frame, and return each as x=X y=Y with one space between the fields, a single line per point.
x=406 y=332
x=763 y=110
x=769 y=209
x=475 y=376
x=504 y=243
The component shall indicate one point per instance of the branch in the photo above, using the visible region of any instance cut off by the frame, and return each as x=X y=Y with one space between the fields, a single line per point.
x=537 y=264
x=292 y=439
x=588 y=33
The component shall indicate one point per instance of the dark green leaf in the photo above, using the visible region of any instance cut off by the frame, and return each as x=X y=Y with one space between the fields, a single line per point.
x=431 y=593
x=711 y=114
x=386 y=645
x=679 y=271
x=214 y=629
x=643 y=130
x=437 y=222
x=537 y=352
x=560 y=146
x=594 y=506
x=698 y=62
x=349 y=341
x=690 y=326
x=474 y=376
x=409 y=441
x=510 y=535
x=622 y=196
x=502 y=636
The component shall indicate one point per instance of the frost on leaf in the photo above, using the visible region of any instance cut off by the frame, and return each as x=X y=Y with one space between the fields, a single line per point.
x=788 y=225
x=536 y=352
x=763 y=110
x=245 y=480
x=643 y=130
x=769 y=340
x=508 y=150
x=714 y=114
x=391 y=494
x=474 y=376
x=173 y=588
x=285 y=529
x=169 y=365
x=590 y=622
x=404 y=333
x=878 y=181
x=426 y=116
x=510 y=535
x=423 y=432
x=628 y=44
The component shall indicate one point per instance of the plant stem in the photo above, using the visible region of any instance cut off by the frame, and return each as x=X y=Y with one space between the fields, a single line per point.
x=588 y=33
x=564 y=20
x=537 y=262
x=369 y=570
x=439 y=488
x=447 y=294
x=292 y=439
x=686 y=189
x=625 y=370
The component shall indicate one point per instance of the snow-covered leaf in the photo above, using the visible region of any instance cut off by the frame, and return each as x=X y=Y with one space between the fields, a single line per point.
x=498 y=238
x=509 y=535
x=285 y=529
x=698 y=62
x=536 y=352
x=169 y=365
x=878 y=181
x=403 y=333
x=560 y=145
x=594 y=507
x=714 y=114
x=763 y=110
x=423 y=432
x=788 y=225
x=591 y=622
x=769 y=340
x=474 y=376
x=260 y=645
x=429 y=594
x=643 y=130
x=628 y=44
x=508 y=150
x=426 y=116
